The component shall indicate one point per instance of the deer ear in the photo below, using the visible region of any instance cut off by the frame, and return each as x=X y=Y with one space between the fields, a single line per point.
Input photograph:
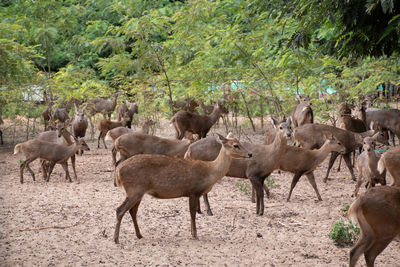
x=221 y=139
x=230 y=135
x=289 y=121
x=274 y=122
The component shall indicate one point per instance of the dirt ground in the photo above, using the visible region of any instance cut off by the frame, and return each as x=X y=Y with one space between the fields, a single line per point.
x=70 y=224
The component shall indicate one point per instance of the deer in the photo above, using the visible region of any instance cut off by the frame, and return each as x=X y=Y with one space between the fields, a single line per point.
x=169 y=177
x=207 y=109
x=310 y=136
x=130 y=109
x=189 y=105
x=100 y=105
x=390 y=162
x=60 y=113
x=79 y=124
x=300 y=161
x=264 y=161
x=185 y=121
x=377 y=212
x=367 y=164
x=302 y=113
x=105 y=125
x=113 y=134
x=55 y=153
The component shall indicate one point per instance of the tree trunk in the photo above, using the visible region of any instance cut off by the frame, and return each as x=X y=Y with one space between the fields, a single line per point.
x=247 y=111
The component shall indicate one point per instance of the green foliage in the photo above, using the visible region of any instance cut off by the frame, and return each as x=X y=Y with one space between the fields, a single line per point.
x=271 y=182
x=344 y=233
x=345 y=208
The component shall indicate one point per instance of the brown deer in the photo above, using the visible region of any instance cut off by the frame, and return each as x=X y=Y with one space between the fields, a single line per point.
x=100 y=105
x=265 y=161
x=113 y=134
x=301 y=161
x=54 y=153
x=377 y=212
x=366 y=166
x=130 y=109
x=105 y=125
x=311 y=136
x=185 y=121
x=390 y=161
x=168 y=177
x=79 y=124
x=302 y=113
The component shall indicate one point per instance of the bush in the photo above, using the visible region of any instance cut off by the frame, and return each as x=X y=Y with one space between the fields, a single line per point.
x=244 y=186
x=344 y=234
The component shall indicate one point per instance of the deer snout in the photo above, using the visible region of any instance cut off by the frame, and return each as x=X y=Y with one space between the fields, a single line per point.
x=369 y=149
x=250 y=155
x=288 y=135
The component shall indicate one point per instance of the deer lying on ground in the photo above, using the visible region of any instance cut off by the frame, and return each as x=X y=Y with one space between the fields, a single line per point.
x=390 y=161
x=311 y=136
x=366 y=166
x=265 y=160
x=301 y=161
x=106 y=125
x=185 y=121
x=130 y=109
x=113 y=134
x=52 y=152
x=100 y=105
x=79 y=124
x=167 y=177
x=302 y=113
x=378 y=214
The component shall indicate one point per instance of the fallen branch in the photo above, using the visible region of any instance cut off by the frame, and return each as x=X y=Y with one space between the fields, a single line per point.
x=81 y=221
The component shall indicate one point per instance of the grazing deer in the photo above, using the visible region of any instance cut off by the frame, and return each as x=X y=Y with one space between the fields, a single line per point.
x=168 y=177
x=302 y=113
x=377 y=212
x=185 y=121
x=54 y=153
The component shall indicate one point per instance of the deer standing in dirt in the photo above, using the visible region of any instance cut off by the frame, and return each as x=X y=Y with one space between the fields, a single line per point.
x=52 y=152
x=79 y=124
x=185 y=121
x=377 y=212
x=106 y=125
x=130 y=109
x=168 y=177
x=264 y=161
x=390 y=161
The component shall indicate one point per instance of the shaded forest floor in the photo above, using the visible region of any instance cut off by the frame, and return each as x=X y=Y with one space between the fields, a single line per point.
x=289 y=234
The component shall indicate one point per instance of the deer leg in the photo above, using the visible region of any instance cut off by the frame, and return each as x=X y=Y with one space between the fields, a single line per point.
x=340 y=163
x=121 y=210
x=332 y=159
x=193 y=200
x=253 y=194
x=113 y=155
x=258 y=186
x=295 y=180
x=358 y=184
x=73 y=167
x=44 y=169
x=91 y=128
x=266 y=189
x=362 y=244
x=311 y=180
x=65 y=167
x=371 y=253
x=104 y=142
x=98 y=140
x=207 y=204
x=198 y=210
x=51 y=167
x=31 y=172
x=22 y=167
x=133 y=212
x=347 y=159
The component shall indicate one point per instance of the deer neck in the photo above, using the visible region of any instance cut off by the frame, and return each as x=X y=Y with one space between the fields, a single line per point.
x=278 y=147
x=67 y=137
x=214 y=116
x=114 y=100
x=220 y=166
x=321 y=153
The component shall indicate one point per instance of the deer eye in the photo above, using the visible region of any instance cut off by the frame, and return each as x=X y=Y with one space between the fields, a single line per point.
x=235 y=146
x=339 y=143
x=280 y=128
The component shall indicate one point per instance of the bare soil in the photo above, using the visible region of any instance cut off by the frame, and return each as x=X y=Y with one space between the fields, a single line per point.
x=70 y=224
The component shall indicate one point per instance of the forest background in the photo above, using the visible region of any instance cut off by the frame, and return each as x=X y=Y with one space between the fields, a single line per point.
x=255 y=54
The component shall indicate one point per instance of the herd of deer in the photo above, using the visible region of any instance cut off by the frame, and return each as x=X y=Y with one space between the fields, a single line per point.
x=172 y=168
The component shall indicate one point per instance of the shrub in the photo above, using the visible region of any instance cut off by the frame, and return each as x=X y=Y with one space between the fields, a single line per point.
x=344 y=234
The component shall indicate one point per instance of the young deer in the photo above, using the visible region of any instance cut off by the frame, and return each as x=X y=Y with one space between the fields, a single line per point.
x=265 y=161
x=54 y=153
x=378 y=214
x=366 y=166
x=106 y=125
x=167 y=177
x=301 y=161
x=390 y=161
